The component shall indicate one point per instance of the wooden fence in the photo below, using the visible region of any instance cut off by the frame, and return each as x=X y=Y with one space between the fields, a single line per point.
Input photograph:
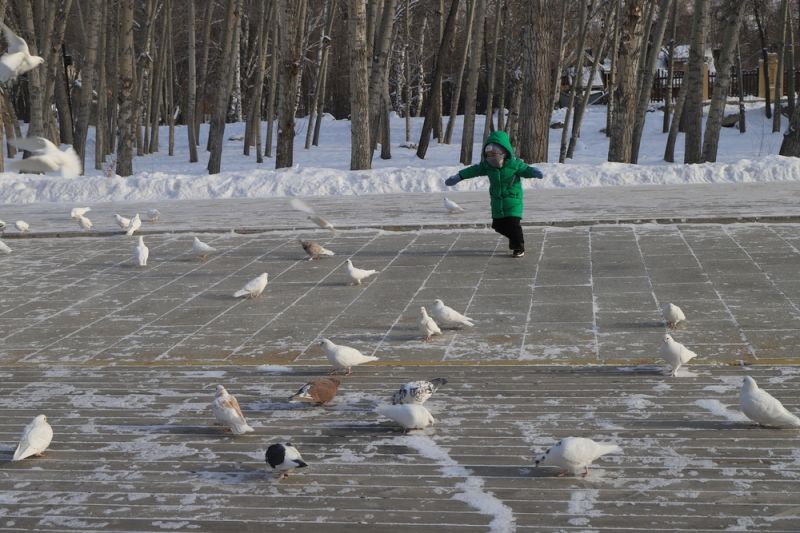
x=748 y=86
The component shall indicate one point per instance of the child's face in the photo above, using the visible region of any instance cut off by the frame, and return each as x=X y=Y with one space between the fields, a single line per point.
x=495 y=157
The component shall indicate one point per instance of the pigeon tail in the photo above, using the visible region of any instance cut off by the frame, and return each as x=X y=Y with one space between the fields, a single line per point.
x=20 y=453
x=300 y=464
x=438 y=382
x=241 y=429
x=240 y=293
x=605 y=449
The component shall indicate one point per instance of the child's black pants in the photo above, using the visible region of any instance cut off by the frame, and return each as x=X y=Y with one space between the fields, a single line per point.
x=510 y=227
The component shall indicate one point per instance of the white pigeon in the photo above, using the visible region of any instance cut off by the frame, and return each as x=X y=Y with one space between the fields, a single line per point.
x=410 y=416
x=47 y=158
x=574 y=454
x=35 y=439
x=79 y=211
x=344 y=357
x=2 y=226
x=675 y=353
x=122 y=222
x=761 y=407
x=358 y=274
x=452 y=207
x=427 y=326
x=672 y=314
x=417 y=391
x=22 y=226
x=447 y=316
x=201 y=249
x=18 y=58
x=322 y=222
x=84 y=223
x=135 y=224
x=4 y=248
x=153 y=215
x=141 y=252
x=284 y=458
x=228 y=413
x=253 y=288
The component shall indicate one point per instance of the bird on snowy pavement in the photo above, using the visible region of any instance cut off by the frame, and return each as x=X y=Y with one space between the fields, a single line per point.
x=228 y=413
x=22 y=226
x=313 y=249
x=141 y=252
x=427 y=326
x=47 y=157
x=574 y=454
x=417 y=391
x=4 y=248
x=318 y=391
x=84 y=222
x=447 y=316
x=201 y=249
x=284 y=459
x=36 y=437
x=2 y=226
x=79 y=211
x=409 y=416
x=358 y=274
x=675 y=353
x=253 y=288
x=122 y=222
x=153 y=215
x=18 y=58
x=452 y=207
x=344 y=357
x=761 y=407
x=672 y=315
x=135 y=224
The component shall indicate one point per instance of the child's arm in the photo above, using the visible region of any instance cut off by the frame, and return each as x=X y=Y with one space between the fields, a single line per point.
x=528 y=171
x=465 y=174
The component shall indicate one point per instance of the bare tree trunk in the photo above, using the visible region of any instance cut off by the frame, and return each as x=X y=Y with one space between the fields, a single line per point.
x=438 y=126
x=191 y=99
x=765 y=60
x=321 y=66
x=126 y=103
x=386 y=133
x=154 y=103
x=488 y=124
x=455 y=96
x=669 y=150
x=87 y=82
x=407 y=71
x=512 y=125
x=560 y=57
x=292 y=23
x=202 y=83
x=36 y=77
x=63 y=103
x=734 y=14
x=360 y=152
x=577 y=80
x=776 y=118
x=471 y=94
x=379 y=69
x=254 y=98
x=170 y=82
x=790 y=62
x=742 y=114
x=144 y=80
x=670 y=68
x=101 y=124
x=273 y=85
x=258 y=99
x=612 y=78
x=501 y=97
x=694 y=97
x=324 y=81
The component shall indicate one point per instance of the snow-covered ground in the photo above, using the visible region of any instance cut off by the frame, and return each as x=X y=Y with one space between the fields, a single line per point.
x=324 y=170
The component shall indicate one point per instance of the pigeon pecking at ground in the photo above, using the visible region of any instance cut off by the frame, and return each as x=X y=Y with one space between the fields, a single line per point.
x=18 y=58
x=79 y=212
x=417 y=391
x=47 y=157
x=672 y=315
x=447 y=316
x=253 y=288
x=314 y=250
x=228 y=413
x=358 y=274
x=36 y=437
x=574 y=454
x=427 y=326
x=122 y=222
x=284 y=458
x=409 y=416
x=201 y=249
x=344 y=357
x=761 y=407
x=135 y=224
x=141 y=252
x=318 y=391
x=452 y=207
x=675 y=353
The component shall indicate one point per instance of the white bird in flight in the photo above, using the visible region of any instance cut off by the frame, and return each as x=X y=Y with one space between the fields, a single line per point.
x=47 y=158
x=79 y=211
x=18 y=58
x=135 y=224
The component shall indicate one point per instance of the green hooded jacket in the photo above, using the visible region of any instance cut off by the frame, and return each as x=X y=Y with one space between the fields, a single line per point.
x=505 y=187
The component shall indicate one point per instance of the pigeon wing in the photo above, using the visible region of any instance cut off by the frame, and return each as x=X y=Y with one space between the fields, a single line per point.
x=10 y=64
x=33 y=144
x=16 y=44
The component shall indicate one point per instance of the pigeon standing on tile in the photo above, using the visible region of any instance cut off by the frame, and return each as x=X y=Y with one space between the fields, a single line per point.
x=122 y=222
x=410 y=416
x=447 y=316
x=344 y=357
x=358 y=274
x=314 y=250
x=141 y=252
x=135 y=224
x=84 y=222
x=201 y=249
x=284 y=458
x=35 y=439
x=153 y=215
x=318 y=392
x=574 y=454
x=761 y=407
x=79 y=212
x=4 y=248
x=427 y=326
x=228 y=413
x=672 y=315
x=18 y=58
x=452 y=207
x=675 y=353
x=22 y=226
x=253 y=288
x=417 y=391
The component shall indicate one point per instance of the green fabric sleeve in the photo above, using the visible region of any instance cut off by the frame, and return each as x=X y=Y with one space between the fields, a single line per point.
x=472 y=172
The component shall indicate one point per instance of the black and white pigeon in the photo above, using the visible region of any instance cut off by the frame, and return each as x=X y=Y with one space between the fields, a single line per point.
x=284 y=458
x=574 y=454
x=417 y=391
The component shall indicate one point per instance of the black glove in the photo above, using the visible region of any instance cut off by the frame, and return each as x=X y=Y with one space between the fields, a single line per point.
x=453 y=180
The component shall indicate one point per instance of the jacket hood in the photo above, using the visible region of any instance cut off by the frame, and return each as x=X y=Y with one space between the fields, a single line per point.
x=500 y=137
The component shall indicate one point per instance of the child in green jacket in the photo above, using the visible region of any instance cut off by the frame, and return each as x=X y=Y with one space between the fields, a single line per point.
x=505 y=188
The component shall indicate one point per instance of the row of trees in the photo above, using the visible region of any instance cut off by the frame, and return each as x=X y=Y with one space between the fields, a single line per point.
x=128 y=66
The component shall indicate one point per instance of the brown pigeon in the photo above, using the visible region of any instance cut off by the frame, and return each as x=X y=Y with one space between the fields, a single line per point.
x=314 y=250
x=319 y=391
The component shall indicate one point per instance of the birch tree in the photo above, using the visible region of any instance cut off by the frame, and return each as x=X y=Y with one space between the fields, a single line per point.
x=694 y=84
x=471 y=95
x=191 y=97
x=125 y=102
x=360 y=149
x=87 y=80
x=292 y=15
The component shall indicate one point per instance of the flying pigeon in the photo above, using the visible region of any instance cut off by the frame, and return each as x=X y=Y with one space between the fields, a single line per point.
x=358 y=274
x=344 y=357
x=17 y=59
x=575 y=453
x=314 y=250
x=672 y=315
x=427 y=326
x=22 y=226
x=284 y=458
x=675 y=353
x=452 y=207
x=319 y=391
x=84 y=223
x=35 y=439
x=47 y=158
x=79 y=211
x=122 y=222
x=153 y=215
x=253 y=288
x=228 y=413
x=410 y=416
x=136 y=223
x=201 y=249
x=760 y=406
x=447 y=316
x=417 y=391
x=4 y=248
x=141 y=252
x=300 y=205
x=2 y=226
